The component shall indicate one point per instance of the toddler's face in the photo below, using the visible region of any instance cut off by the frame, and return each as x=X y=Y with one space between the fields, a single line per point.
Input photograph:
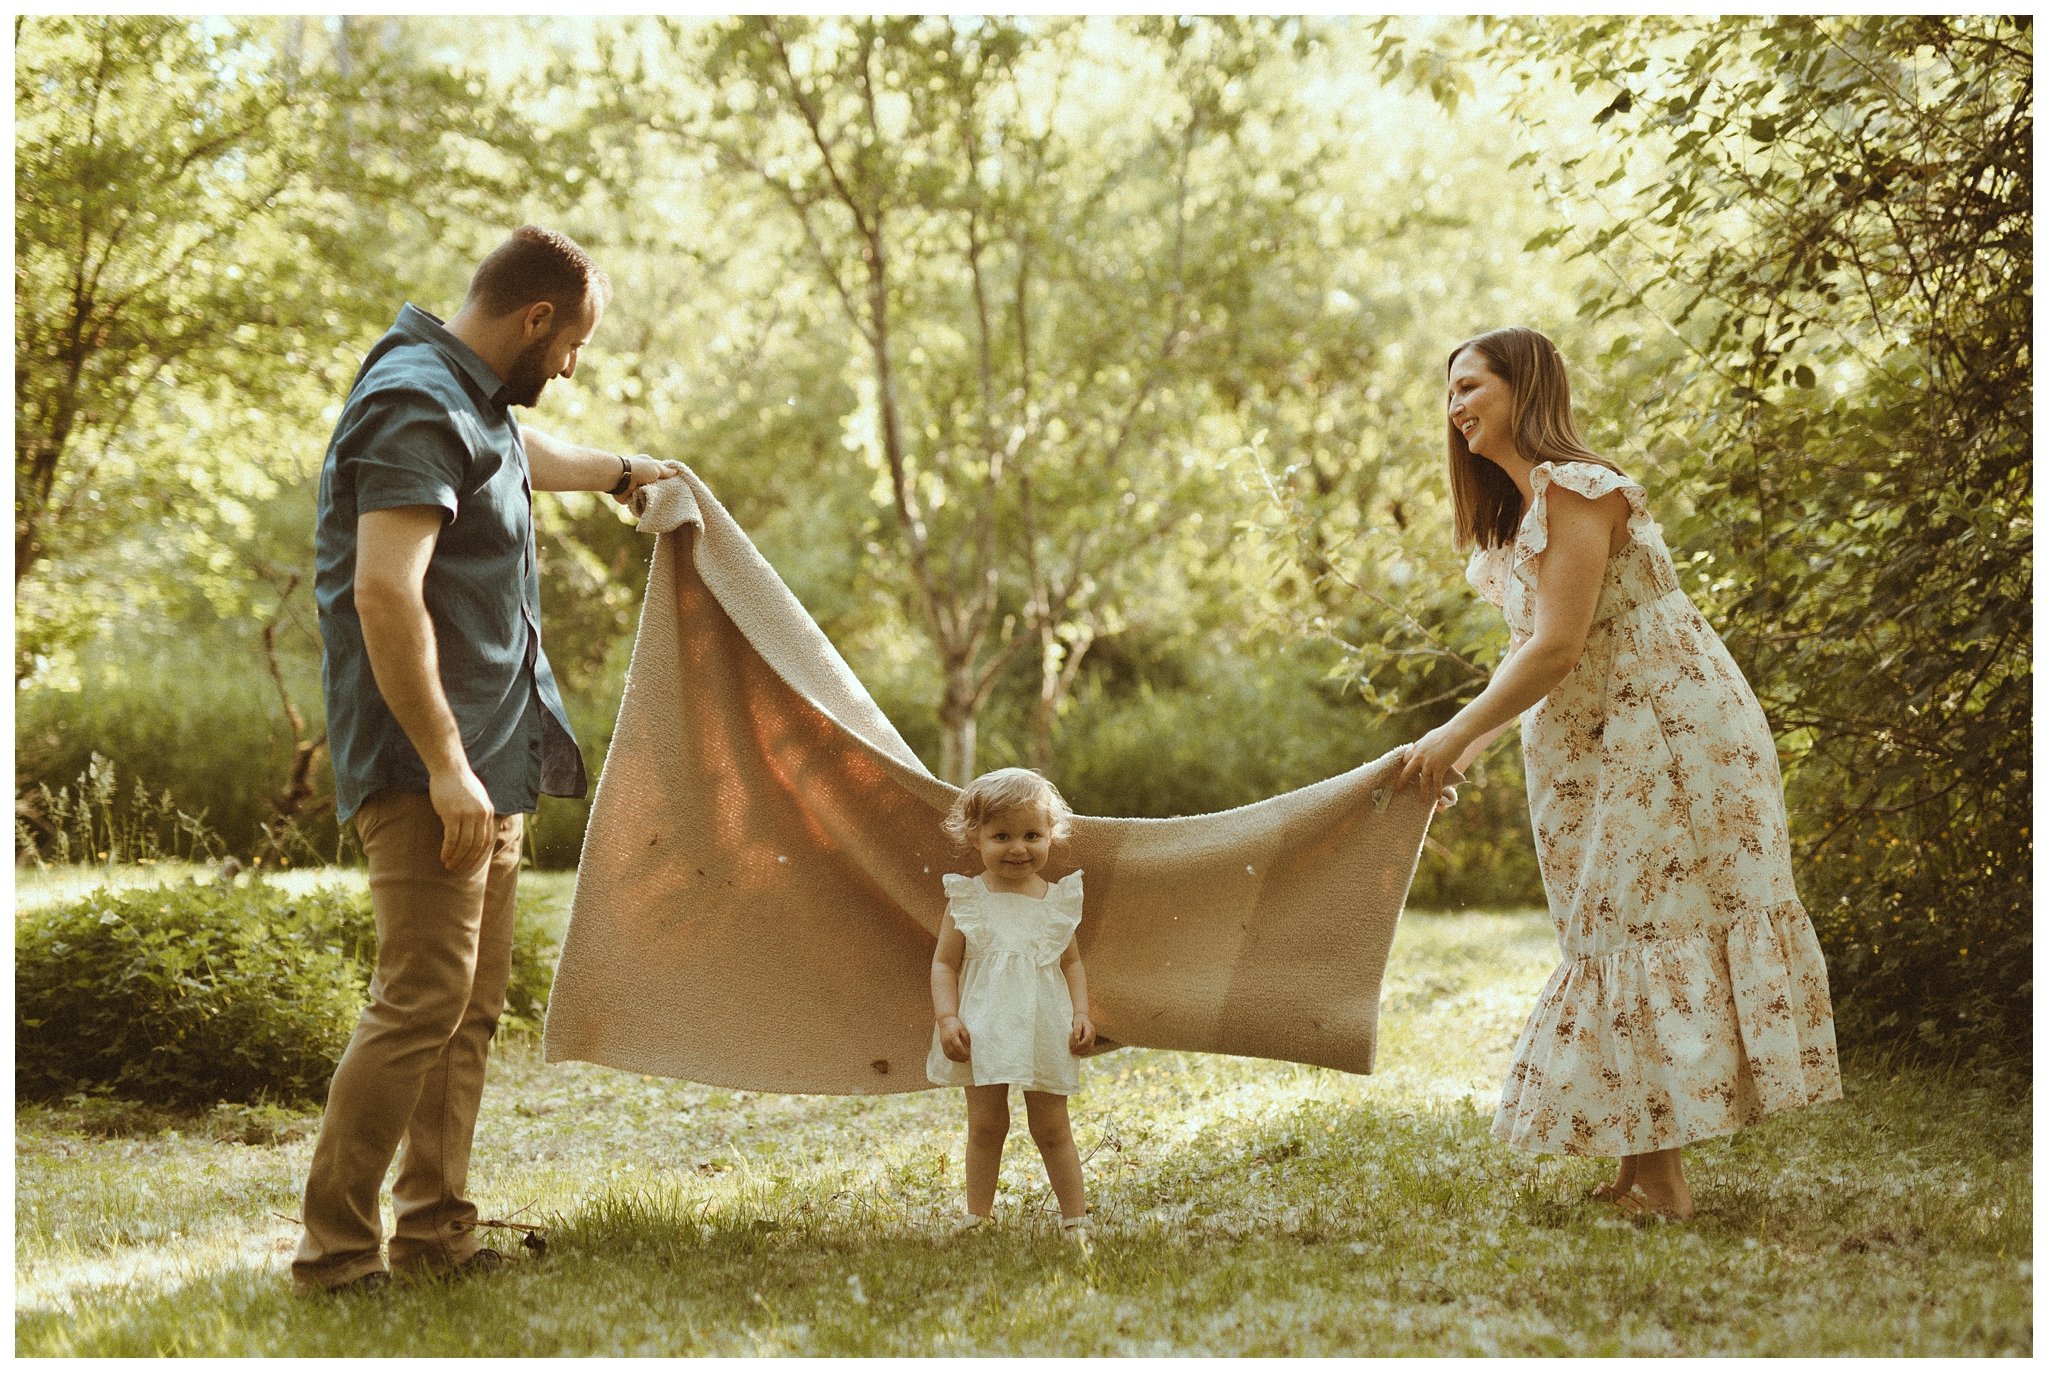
x=1015 y=843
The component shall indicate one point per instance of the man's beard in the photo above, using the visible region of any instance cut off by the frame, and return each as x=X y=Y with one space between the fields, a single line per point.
x=529 y=374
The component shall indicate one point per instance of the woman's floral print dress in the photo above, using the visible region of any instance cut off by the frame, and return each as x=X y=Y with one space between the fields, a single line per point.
x=1692 y=999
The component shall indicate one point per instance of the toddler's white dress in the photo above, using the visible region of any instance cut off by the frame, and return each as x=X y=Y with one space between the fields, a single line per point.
x=1013 y=997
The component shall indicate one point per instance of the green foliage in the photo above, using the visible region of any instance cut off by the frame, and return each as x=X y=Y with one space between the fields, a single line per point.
x=1839 y=235
x=206 y=992
x=214 y=217
x=1031 y=308
x=186 y=195
x=185 y=995
x=169 y=725
x=1267 y=725
x=1478 y=854
x=86 y=823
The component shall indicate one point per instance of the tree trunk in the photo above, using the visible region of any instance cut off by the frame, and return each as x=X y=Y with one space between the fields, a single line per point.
x=959 y=710
x=293 y=800
x=1058 y=665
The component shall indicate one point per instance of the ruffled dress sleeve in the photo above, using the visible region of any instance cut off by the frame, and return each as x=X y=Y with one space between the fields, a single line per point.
x=963 y=903
x=1587 y=479
x=1063 y=917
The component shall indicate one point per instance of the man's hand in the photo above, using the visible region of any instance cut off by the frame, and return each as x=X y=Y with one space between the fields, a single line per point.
x=557 y=465
x=1083 y=1034
x=953 y=1038
x=646 y=470
x=468 y=821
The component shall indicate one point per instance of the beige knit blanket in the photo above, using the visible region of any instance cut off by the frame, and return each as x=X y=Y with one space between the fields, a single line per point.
x=759 y=893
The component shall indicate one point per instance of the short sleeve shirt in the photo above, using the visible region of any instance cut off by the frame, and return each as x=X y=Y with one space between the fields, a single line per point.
x=426 y=423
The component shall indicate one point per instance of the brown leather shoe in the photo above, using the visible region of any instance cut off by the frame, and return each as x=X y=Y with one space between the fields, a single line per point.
x=482 y=1262
x=371 y=1284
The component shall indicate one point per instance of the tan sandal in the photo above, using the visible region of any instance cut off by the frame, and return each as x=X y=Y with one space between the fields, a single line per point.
x=1623 y=1179
x=1636 y=1203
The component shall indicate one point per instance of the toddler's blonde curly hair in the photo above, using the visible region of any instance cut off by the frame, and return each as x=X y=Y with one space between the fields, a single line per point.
x=1001 y=790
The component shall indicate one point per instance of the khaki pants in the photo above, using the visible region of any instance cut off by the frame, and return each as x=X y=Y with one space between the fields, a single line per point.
x=413 y=1072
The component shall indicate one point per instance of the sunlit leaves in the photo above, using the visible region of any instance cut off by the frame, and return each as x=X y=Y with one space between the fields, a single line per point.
x=1836 y=233
x=205 y=212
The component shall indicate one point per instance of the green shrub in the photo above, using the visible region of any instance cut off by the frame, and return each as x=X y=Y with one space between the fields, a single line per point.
x=1250 y=728
x=1238 y=730
x=192 y=717
x=198 y=993
x=1480 y=852
x=88 y=822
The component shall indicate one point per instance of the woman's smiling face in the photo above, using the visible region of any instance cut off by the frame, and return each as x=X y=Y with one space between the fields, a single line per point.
x=1481 y=406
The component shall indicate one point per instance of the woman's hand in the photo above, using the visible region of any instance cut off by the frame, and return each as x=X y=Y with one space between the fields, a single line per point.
x=1432 y=762
x=953 y=1038
x=1084 y=1032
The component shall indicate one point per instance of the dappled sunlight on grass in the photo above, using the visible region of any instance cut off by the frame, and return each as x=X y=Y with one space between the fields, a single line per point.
x=60 y=1279
x=35 y=888
x=1244 y=1207
x=544 y=896
x=102 y=1217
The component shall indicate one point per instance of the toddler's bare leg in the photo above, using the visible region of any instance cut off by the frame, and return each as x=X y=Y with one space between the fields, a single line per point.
x=1054 y=1135
x=988 y=1125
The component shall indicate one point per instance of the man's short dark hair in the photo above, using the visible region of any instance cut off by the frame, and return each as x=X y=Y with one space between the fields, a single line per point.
x=537 y=264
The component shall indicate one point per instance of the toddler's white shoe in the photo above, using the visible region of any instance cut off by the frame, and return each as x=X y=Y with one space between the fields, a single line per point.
x=968 y=1222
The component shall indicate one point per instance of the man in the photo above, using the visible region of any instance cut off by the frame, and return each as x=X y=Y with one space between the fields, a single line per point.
x=445 y=726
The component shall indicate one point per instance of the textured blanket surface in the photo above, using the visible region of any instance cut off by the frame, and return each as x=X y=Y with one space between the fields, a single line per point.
x=759 y=892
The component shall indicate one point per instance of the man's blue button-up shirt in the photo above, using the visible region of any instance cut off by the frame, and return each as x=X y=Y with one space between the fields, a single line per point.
x=426 y=423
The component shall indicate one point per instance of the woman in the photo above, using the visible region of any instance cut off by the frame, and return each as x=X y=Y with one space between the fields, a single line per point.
x=1692 y=999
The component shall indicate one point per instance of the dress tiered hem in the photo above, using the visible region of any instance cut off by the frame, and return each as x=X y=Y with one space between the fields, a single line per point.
x=1664 y=1043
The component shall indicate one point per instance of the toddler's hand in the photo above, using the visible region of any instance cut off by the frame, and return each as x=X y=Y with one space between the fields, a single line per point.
x=1448 y=799
x=953 y=1038
x=1084 y=1032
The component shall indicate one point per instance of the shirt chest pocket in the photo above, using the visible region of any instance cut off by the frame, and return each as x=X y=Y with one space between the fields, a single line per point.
x=496 y=510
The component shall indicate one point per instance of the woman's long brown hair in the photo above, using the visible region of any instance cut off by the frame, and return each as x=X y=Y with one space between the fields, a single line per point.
x=1487 y=503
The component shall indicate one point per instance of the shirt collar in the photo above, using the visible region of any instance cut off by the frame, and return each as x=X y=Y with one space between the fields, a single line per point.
x=427 y=328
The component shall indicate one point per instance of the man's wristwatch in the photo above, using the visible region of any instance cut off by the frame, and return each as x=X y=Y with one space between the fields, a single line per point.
x=625 y=482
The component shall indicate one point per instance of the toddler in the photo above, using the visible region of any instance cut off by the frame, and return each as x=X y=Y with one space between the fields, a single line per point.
x=1008 y=992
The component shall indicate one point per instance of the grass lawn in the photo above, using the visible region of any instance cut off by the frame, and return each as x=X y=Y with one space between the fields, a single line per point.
x=1245 y=1207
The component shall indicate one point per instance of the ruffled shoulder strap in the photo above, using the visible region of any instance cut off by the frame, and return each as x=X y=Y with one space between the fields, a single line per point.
x=1063 y=911
x=1587 y=479
x=963 y=901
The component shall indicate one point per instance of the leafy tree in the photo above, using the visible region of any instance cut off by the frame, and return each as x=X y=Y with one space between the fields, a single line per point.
x=1832 y=220
x=212 y=217
x=1034 y=287
x=184 y=199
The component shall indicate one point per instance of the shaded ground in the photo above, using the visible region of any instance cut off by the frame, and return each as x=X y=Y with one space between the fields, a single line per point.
x=1246 y=1208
